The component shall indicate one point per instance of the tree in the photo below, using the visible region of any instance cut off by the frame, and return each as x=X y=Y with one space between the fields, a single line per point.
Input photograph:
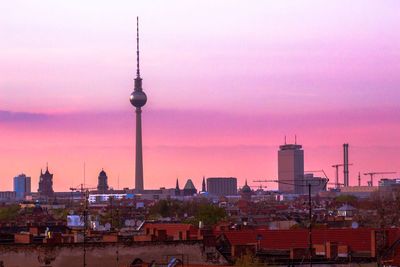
x=210 y=214
x=190 y=211
x=247 y=260
x=349 y=199
x=60 y=214
x=9 y=213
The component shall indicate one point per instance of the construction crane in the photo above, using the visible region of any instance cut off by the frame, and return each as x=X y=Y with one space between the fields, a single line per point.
x=290 y=182
x=265 y=181
x=259 y=186
x=372 y=174
x=336 y=166
x=84 y=191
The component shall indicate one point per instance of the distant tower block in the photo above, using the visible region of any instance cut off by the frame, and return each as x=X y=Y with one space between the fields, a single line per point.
x=291 y=168
x=346 y=164
x=138 y=99
x=46 y=183
x=102 y=185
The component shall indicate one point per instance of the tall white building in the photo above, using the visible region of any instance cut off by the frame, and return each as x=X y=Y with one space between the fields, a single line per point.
x=22 y=186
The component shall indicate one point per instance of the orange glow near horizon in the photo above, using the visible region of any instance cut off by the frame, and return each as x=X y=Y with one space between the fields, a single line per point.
x=224 y=87
x=180 y=145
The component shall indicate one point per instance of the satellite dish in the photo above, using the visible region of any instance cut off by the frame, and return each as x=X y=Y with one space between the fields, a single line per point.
x=354 y=225
x=107 y=226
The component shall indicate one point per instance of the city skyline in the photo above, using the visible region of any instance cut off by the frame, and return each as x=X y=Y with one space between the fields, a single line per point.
x=224 y=90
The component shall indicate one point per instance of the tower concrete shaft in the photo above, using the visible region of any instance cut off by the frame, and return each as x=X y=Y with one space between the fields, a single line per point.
x=138 y=99
x=139 y=153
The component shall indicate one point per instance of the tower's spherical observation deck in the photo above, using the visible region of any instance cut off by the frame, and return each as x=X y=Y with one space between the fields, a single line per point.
x=138 y=99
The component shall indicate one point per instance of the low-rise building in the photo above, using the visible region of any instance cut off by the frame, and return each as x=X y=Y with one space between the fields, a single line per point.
x=358 y=191
x=7 y=196
x=222 y=186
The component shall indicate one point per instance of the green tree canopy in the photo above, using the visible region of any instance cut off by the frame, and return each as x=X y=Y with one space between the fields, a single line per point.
x=189 y=211
x=8 y=213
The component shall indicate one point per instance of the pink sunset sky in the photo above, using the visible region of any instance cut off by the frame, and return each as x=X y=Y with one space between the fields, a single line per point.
x=225 y=80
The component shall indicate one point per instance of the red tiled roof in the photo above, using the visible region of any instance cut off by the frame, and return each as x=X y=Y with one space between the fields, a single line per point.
x=170 y=226
x=356 y=239
x=242 y=237
x=281 y=207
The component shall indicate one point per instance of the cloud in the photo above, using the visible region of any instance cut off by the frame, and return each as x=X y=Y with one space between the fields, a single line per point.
x=201 y=122
x=9 y=116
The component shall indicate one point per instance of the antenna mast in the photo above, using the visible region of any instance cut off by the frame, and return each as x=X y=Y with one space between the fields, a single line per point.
x=137 y=49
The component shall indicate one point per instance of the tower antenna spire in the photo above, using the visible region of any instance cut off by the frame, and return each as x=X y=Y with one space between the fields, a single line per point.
x=137 y=48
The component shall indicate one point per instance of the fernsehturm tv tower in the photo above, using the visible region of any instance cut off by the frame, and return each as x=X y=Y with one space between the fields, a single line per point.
x=138 y=100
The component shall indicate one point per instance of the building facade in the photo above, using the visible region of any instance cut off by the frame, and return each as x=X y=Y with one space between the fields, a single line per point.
x=102 y=184
x=318 y=184
x=22 y=186
x=386 y=182
x=222 y=186
x=46 y=184
x=189 y=189
x=7 y=196
x=291 y=169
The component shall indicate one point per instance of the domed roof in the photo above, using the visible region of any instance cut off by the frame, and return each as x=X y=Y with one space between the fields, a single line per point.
x=138 y=98
x=102 y=173
x=246 y=188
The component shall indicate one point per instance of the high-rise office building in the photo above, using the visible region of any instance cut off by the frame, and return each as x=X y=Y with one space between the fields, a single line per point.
x=22 y=186
x=291 y=169
x=222 y=186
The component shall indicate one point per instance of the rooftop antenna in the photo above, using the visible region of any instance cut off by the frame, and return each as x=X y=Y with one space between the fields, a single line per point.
x=285 y=139
x=295 y=139
x=137 y=48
